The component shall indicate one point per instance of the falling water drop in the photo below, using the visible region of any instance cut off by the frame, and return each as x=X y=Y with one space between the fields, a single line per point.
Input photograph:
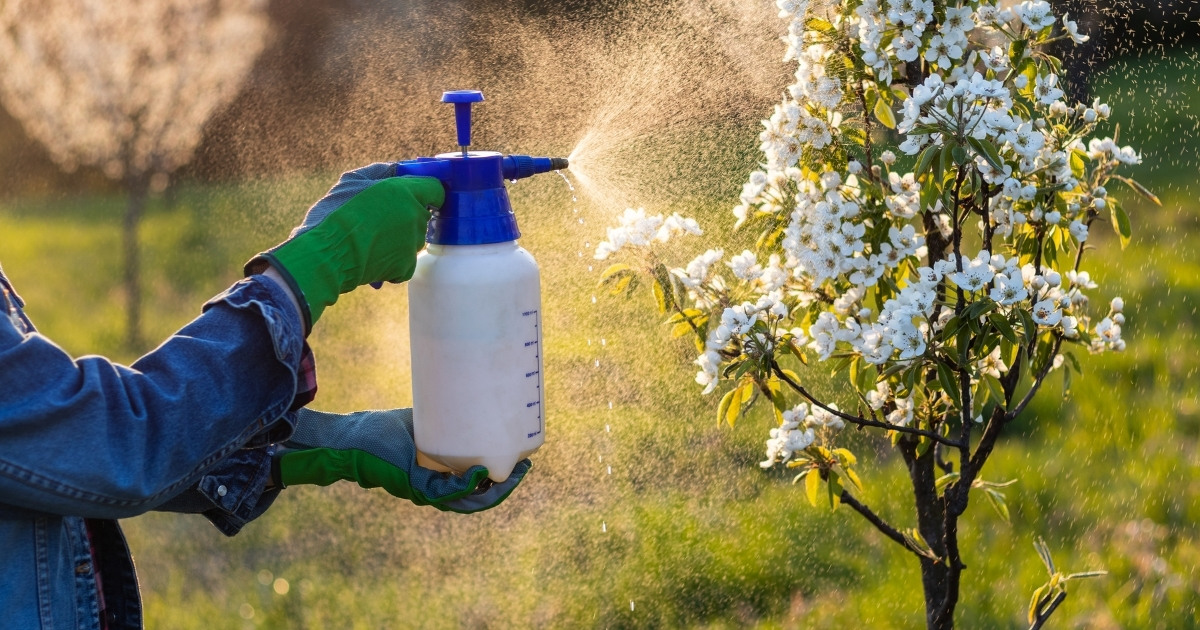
x=603 y=527
x=593 y=301
x=603 y=342
x=601 y=458
x=610 y=404
x=631 y=604
x=597 y=362
x=607 y=429
x=610 y=470
x=580 y=254
x=589 y=267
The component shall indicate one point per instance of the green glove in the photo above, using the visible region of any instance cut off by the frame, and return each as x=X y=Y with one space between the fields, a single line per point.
x=367 y=228
x=376 y=449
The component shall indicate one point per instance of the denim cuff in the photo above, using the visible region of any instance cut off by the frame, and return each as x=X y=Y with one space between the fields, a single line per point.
x=287 y=337
x=231 y=494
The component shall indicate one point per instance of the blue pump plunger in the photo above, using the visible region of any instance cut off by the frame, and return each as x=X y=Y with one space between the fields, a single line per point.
x=476 y=210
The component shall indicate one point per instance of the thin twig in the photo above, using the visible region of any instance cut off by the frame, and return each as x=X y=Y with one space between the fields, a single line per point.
x=858 y=420
x=1037 y=382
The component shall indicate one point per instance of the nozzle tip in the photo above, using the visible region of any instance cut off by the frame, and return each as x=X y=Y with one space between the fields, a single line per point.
x=558 y=163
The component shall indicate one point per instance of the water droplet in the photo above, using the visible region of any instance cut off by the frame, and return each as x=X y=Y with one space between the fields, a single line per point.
x=603 y=342
x=607 y=429
x=610 y=470
x=589 y=340
x=589 y=267
x=601 y=458
x=604 y=527
x=593 y=299
x=587 y=244
x=597 y=362
x=610 y=404
x=580 y=220
x=574 y=198
x=580 y=254
x=631 y=604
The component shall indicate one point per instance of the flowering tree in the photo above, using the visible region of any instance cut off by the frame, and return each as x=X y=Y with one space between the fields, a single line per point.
x=125 y=86
x=944 y=286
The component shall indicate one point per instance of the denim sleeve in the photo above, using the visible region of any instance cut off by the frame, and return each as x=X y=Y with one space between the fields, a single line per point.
x=87 y=437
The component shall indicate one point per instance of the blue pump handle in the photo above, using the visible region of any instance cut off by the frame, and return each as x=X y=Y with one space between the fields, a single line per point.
x=462 y=100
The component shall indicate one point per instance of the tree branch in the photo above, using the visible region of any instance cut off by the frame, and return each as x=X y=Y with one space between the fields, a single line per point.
x=858 y=420
x=1037 y=382
x=880 y=524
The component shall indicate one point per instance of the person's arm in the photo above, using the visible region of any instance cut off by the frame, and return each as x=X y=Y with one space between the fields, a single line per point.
x=239 y=488
x=92 y=438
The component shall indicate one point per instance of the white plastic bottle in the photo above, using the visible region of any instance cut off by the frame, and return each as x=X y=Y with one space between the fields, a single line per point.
x=475 y=323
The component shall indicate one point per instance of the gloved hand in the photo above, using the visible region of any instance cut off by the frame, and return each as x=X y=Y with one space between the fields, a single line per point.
x=367 y=228
x=376 y=449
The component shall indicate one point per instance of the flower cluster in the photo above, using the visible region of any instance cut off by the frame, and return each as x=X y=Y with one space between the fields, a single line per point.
x=638 y=230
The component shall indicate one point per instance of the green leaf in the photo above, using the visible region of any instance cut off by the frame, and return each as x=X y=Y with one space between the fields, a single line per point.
x=854 y=479
x=988 y=151
x=812 y=486
x=1002 y=325
x=608 y=274
x=1016 y=51
x=946 y=378
x=625 y=282
x=1141 y=190
x=1078 y=168
x=1086 y=574
x=885 y=114
x=660 y=296
x=820 y=25
x=996 y=499
x=835 y=490
x=1035 y=600
x=741 y=396
x=845 y=457
x=959 y=154
x=925 y=160
x=726 y=403
x=1120 y=222
x=944 y=481
x=1043 y=551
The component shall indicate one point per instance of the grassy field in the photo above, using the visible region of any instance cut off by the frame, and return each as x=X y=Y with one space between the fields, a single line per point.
x=685 y=531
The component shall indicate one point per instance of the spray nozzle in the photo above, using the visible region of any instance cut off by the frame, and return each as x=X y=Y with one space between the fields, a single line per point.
x=476 y=210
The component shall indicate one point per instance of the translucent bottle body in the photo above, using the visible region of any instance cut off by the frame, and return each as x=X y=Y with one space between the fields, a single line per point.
x=475 y=324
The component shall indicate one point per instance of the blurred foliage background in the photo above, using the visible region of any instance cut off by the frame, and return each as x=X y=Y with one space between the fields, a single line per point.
x=641 y=511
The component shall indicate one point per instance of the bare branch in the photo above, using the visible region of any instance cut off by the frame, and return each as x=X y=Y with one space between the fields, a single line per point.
x=880 y=524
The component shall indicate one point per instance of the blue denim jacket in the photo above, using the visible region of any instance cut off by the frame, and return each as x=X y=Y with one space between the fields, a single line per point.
x=84 y=441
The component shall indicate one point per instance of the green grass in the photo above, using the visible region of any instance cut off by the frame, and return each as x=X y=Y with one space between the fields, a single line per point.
x=686 y=527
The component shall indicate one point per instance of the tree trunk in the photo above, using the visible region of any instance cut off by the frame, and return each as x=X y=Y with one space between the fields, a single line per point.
x=137 y=187
x=931 y=523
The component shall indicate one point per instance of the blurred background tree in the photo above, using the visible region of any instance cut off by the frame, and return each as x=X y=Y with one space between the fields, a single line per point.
x=125 y=87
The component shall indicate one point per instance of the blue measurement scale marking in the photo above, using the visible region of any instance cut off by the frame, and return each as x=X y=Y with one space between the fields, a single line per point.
x=535 y=374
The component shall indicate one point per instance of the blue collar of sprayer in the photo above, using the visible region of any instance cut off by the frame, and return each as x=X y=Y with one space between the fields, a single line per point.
x=477 y=210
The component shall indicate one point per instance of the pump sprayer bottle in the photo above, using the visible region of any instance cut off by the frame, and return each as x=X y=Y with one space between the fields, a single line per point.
x=475 y=313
